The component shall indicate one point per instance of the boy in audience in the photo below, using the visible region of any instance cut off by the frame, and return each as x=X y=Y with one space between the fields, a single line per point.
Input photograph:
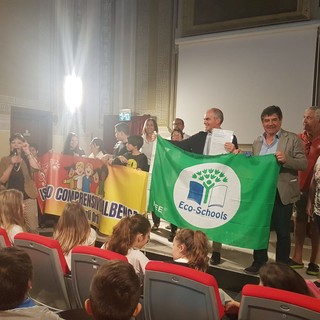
x=15 y=282
x=115 y=292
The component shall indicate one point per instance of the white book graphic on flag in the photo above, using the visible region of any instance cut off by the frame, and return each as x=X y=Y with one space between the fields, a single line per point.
x=218 y=196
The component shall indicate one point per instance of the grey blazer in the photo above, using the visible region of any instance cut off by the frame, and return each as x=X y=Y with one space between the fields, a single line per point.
x=288 y=184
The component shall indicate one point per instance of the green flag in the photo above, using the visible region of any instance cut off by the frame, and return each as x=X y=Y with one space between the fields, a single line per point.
x=229 y=197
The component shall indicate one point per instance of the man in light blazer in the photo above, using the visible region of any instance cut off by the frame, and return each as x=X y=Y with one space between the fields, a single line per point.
x=289 y=152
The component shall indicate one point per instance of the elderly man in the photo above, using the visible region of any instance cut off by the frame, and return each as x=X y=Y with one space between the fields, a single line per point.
x=310 y=138
x=289 y=152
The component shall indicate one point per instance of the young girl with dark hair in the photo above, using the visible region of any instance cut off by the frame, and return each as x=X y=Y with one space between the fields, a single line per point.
x=71 y=146
x=129 y=236
x=96 y=146
x=281 y=276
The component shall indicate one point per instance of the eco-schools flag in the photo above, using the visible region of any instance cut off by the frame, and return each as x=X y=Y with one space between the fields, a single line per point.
x=228 y=197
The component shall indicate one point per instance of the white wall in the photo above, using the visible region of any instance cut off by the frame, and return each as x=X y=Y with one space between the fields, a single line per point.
x=242 y=72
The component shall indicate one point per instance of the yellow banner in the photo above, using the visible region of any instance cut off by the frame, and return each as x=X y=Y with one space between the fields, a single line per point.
x=125 y=194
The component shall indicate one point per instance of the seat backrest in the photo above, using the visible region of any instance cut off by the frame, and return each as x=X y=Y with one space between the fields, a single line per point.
x=177 y=292
x=49 y=270
x=85 y=261
x=4 y=239
x=259 y=302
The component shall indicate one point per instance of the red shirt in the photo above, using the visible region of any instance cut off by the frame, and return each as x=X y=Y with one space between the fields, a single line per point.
x=312 y=151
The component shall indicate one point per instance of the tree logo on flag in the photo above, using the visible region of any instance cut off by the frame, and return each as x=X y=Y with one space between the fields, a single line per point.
x=208 y=178
x=210 y=191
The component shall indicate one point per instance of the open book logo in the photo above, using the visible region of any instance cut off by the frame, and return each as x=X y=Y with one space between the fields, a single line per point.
x=207 y=195
x=209 y=186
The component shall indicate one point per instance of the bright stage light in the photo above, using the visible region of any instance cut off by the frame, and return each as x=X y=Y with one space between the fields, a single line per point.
x=72 y=92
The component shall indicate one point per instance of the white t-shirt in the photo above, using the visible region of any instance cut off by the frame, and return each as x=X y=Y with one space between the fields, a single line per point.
x=147 y=148
x=138 y=260
x=98 y=156
x=15 y=229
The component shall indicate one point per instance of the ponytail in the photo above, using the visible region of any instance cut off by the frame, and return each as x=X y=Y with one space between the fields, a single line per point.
x=197 y=248
x=125 y=232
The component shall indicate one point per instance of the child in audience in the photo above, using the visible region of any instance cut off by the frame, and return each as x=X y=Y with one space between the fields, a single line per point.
x=128 y=237
x=191 y=248
x=11 y=212
x=281 y=276
x=133 y=158
x=73 y=229
x=15 y=282
x=114 y=292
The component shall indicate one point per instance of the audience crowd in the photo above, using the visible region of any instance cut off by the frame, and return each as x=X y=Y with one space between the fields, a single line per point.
x=299 y=161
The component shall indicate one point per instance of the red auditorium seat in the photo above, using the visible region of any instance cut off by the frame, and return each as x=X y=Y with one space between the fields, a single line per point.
x=259 y=302
x=85 y=261
x=4 y=239
x=177 y=292
x=50 y=271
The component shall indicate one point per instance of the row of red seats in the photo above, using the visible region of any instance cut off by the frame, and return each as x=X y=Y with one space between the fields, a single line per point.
x=170 y=291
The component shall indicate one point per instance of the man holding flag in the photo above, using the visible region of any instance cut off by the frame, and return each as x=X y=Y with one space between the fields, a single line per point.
x=229 y=197
x=289 y=153
x=200 y=143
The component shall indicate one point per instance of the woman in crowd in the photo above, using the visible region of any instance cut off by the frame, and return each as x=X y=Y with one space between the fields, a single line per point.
x=149 y=128
x=96 y=146
x=11 y=212
x=16 y=172
x=71 y=146
x=130 y=235
x=73 y=229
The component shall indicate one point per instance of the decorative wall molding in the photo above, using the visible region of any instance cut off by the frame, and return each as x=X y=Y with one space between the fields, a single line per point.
x=154 y=64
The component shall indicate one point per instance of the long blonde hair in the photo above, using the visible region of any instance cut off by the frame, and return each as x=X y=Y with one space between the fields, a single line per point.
x=11 y=209
x=73 y=228
x=197 y=248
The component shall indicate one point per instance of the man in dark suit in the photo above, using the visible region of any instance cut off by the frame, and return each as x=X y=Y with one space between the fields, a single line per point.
x=200 y=143
x=289 y=152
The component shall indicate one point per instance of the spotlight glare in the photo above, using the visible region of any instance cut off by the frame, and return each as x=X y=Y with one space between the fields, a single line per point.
x=72 y=92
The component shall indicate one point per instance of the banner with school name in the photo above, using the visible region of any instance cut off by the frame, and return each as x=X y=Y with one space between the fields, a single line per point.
x=107 y=192
x=229 y=197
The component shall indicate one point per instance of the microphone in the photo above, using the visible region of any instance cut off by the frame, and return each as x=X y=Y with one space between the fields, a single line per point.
x=16 y=165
